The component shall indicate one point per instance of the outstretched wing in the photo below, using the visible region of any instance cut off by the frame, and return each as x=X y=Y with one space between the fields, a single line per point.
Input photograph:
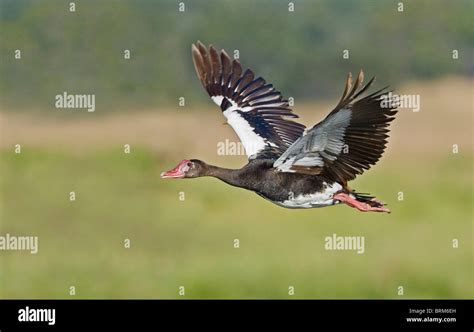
x=348 y=141
x=253 y=108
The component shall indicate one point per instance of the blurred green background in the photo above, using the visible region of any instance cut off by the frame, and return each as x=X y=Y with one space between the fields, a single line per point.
x=190 y=242
x=83 y=51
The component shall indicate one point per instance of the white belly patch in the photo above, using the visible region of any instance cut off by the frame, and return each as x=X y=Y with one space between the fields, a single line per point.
x=314 y=200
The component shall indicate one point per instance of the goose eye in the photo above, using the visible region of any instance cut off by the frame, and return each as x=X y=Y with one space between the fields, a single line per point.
x=189 y=164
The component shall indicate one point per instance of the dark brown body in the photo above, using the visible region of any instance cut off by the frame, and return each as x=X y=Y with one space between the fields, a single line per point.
x=260 y=176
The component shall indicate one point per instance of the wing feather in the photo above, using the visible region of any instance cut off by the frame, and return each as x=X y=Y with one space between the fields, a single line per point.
x=350 y=140
x=254 y=109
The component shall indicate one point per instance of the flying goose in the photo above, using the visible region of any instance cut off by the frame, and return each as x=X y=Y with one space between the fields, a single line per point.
x=289 y=164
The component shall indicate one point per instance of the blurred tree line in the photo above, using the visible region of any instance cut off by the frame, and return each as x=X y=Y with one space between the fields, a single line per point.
x=300 y=52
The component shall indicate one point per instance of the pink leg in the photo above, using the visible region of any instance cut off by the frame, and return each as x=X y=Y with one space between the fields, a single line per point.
x=361 y=206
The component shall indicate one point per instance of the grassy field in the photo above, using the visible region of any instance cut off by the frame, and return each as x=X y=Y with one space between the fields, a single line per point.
x=190 y=242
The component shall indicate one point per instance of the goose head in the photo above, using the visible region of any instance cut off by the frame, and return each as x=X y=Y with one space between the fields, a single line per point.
x=186 y=169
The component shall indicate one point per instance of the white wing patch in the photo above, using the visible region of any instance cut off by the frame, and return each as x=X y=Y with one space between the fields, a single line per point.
x=217 y=99
x=252 y=142
x=286 y=166
x=254 y=109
